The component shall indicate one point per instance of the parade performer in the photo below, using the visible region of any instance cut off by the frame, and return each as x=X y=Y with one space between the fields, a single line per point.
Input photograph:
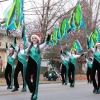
x=96 y=67
x=34 y=62
x=9 y=71
x=64 y=68
x=72 y=66
x=89 y=69
x=21 y=66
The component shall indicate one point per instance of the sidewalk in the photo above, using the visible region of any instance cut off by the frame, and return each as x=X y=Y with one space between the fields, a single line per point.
x=79 y=77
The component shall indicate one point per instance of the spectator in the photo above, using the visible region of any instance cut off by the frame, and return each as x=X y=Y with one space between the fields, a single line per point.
x=54 y=74
x=50 y=74
x=46 y=74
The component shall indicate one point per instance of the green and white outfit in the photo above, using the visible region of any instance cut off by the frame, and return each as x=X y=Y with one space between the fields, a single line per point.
x=9 y=71
x=33 y=68
x=72 y=68
x=64 y=69
x=96 y=67
x=21 y=66
x=89 y=70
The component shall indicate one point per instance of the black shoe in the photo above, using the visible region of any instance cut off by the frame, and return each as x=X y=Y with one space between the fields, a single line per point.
x=71 y=85
x=65 y=83
x=88 y=82
x=33 y=99
x=15 y=89
x=98 y=91
x=62 y=83
x=91 y=82
x=69 y=81
x=9 y=87
x=95 y=90
x=23 y=90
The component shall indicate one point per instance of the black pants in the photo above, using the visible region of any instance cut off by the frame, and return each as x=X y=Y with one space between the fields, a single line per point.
x=89 y=74
x=63 y=73
x=31 y=70
x=55 y=77
x=18 y=68
x=71 y=73
x=96 y=66
x=8 y=72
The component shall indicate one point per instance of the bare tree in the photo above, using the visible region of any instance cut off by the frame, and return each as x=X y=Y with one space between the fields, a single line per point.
x=79 y=34
x=95 y=6
x=48 y=14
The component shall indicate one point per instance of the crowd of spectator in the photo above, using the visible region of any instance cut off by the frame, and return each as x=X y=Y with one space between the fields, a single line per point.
x=51 y=74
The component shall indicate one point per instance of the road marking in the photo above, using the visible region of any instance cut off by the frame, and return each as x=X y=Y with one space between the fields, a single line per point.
x=63 y=88
x=46 y=89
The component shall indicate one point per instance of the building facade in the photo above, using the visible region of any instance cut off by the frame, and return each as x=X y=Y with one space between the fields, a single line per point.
x=3 y=41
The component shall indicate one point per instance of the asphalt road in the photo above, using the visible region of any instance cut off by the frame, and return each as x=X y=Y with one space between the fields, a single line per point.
x=81 y=91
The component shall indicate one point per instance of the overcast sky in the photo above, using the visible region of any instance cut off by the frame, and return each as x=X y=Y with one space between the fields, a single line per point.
x=27 y=5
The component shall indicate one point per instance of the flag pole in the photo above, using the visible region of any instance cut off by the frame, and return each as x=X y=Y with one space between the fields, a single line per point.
x=23 y=28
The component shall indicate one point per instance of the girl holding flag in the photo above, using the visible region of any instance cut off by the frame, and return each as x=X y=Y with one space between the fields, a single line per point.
x=76 y=47
x=89 y=69
x=96 y=66
x=72 y=66
x=64 y=67
x=9 y=71
x=21 y=65
x=34 y=63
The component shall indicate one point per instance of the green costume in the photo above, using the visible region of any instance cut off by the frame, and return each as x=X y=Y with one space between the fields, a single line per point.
x=22 y=59
x=97 y=56
x=89 y=64
x=33 y=67
x=65 y=62
x=10 y=60
x=34 y=54
x=73 y=61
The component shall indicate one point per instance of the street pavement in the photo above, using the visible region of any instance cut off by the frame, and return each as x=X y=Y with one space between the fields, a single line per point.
x=81 y=91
